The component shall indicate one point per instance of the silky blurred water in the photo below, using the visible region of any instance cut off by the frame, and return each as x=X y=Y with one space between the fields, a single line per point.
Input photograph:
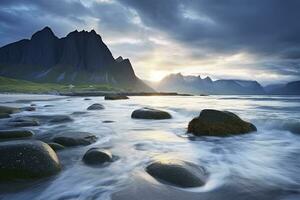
x=260 y=165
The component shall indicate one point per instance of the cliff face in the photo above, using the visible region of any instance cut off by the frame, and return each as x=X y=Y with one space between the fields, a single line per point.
x=80 y=57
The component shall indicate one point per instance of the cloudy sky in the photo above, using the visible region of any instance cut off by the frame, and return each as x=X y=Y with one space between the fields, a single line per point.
x=243 y=39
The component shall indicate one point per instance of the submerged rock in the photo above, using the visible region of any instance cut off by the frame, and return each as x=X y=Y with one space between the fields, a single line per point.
x=23 y=121
x=9 y=134
x=56 y=146
x=115 y=97
x=23 y=159
x=5 y=111
x=108 y=121
x=96 y=156
x=75 y=138
x=96 y=106
x=178 y=173
x=87 y=99
x=150 y=113
x=29 y=108
x=60 y=119
x=219 y=123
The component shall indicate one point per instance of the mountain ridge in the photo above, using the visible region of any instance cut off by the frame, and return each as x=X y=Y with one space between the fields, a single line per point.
x=79 y=57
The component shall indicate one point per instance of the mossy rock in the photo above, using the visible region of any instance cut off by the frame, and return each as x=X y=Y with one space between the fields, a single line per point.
x=14 y=134
x=219 y=123
x=178 y=173
x=150 y=113
x=27 y=159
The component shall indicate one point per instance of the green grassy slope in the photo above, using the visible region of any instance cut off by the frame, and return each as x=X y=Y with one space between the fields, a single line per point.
x=22 y=86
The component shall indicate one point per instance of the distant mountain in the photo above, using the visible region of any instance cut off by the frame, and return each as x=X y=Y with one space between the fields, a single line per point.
x=291 y=88
x=197 y=85
x=80 y=57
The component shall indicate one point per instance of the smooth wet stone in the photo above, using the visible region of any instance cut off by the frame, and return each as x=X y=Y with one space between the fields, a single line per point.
x=96 y=106
x=219 y=123
x=8 y=110
x=108 y=121
x=23 y=122
x=178 y=173
x=26 y=159
x=79 y=113
x=4 y=115
x=60 y=119
x=74 y=138
x=56 y=146
x=150 y=113
x=15 y=134
x=96 y=156
x=87 y=99
x=115 y=97
x=48 y=106
x=29 y=108
x=5 y=111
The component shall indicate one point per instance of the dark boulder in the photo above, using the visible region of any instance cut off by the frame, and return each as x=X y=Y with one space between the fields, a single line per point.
x=6 y=111
x=29 y=108
x=115 y=97
x=56 y=146
x=74 y=138
x=23 y=121
x=96 y=106
x=150 y=113
x=60 y=119
x=178 y=173
x=219 y=123
x=25 y=159
x=10 y=134
x=96 y=156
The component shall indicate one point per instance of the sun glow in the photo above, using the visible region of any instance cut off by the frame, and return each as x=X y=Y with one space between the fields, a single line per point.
x=157 y=75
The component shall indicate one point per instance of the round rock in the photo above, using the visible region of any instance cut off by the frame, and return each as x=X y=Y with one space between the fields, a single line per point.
x=10 y=134
x=219 y=123
x=75 y=138
x=23 y=121
x=150 y=113
x=25 y=159
x=96 y=156
x=115 y=97
x=96 y=106
x=56 y=146
x=178 y=173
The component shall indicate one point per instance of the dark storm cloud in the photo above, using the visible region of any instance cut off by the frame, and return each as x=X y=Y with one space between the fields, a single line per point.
x=267 y=29
x=267 y=26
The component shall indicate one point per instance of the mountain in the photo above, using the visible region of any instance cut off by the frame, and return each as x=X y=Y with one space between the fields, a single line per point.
x=80 y=57
x=197 y=85
x=291 y=88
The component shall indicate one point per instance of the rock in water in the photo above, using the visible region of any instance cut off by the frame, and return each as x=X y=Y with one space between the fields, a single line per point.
x=178 y=173
x=96 y=156
x=219 y=123
x=115 y=97
x=150 y=113
x=75 y=138
x=96 y=106
x=10 y=134
x=60 y=119
x=23 y=121
x=56 y=146
x=25 y=159
x=6 y=111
